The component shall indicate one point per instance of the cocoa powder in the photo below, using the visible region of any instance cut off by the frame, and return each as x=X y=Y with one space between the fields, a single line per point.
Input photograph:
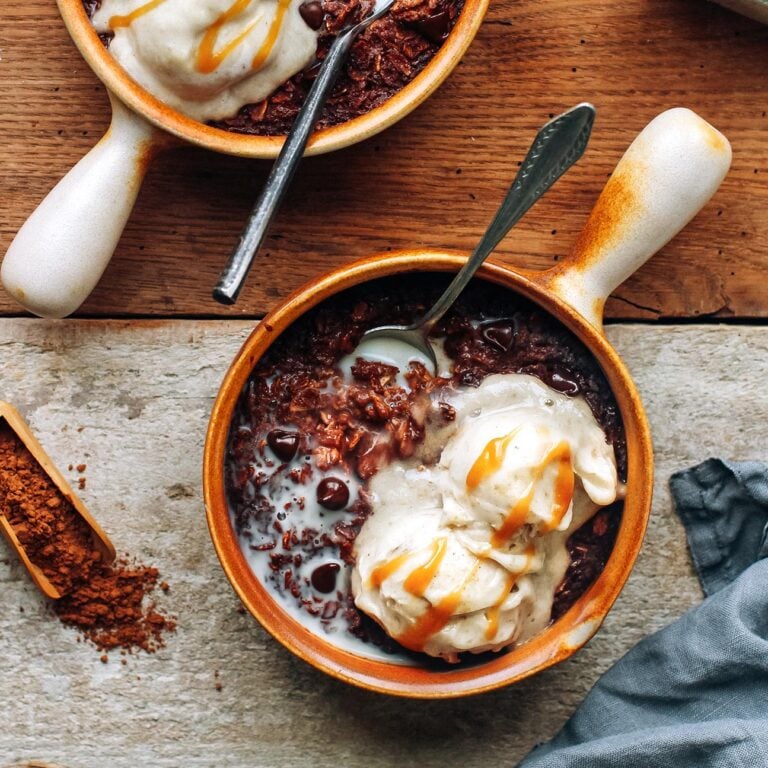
x=110 y=604
x=55 y=537
x=113 y=608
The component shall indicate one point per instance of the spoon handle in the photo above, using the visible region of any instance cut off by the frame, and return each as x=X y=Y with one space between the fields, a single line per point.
x=239 y=264
x=558 y=145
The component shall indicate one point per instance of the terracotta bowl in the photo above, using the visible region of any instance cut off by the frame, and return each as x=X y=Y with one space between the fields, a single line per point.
x=62 y=250
x=558 y=641
x=641 y=208
x=336 y=137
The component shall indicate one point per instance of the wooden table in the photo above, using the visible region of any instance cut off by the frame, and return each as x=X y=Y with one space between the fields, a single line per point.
x=127 y=388
x=435 y=178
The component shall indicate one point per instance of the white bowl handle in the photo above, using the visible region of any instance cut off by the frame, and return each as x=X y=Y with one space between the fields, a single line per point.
x=61 y=251
x=665 y=177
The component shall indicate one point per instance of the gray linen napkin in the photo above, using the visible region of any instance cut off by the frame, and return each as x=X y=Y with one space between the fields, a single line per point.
x=694 y=694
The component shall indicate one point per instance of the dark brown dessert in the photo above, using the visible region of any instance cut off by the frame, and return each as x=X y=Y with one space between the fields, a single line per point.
x=336 y=431
x=383 y=60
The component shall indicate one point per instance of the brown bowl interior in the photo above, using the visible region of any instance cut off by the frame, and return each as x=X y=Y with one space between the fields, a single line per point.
x=326 y=140
x=553 y=645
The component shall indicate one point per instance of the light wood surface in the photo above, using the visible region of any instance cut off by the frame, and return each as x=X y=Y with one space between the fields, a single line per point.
x=435 y=178
x=131 y=401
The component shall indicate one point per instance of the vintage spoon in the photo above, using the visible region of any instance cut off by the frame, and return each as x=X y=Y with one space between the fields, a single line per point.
x=558 y=145
x=239 y=264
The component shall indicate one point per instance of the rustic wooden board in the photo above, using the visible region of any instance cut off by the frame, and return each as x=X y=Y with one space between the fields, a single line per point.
x=435 y=178
x=131 y=401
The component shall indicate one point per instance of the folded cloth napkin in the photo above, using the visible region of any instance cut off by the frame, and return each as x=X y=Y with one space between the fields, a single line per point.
x=694 y=694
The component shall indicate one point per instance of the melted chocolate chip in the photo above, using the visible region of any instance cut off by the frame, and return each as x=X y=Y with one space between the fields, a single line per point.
x=312 y=13
x=499 y=336
x=323 y=578
x=332 y=493
x=563 y=382
x=283 y=444
x=436 y=27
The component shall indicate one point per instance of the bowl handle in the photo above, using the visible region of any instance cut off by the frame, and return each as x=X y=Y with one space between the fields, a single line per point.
x=666 y=176
x=61 y=251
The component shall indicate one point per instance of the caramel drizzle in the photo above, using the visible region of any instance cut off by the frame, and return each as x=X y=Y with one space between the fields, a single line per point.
x=564 y=484
x=563 y=495
x=382 y=572
x=125 y=21
x=493 y=613
x=489 y=462
x=430 y=622
x=207 y=59
x=437 y=615
x=418 y=580
x=274 y=31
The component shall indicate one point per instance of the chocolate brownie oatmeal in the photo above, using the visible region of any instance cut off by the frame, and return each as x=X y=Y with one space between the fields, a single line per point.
x=383 y=59
x=314 y=432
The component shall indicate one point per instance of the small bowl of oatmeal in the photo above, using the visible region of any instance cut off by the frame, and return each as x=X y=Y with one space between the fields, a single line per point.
x=225 y=75
x=440 y=534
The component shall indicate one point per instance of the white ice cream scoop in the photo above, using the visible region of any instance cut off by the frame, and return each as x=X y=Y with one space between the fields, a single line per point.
x=466 y=555
x=208 y=59
x=514 y=457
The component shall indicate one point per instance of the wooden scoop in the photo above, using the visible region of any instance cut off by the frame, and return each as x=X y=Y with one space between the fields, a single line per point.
x=10 y=416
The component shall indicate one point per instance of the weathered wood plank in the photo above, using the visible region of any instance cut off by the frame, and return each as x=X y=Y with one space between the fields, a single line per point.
x=131 y=401
x=433 y=179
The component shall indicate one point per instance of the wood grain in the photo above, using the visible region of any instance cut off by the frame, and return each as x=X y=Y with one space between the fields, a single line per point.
x=435 y=178
x=131 y=401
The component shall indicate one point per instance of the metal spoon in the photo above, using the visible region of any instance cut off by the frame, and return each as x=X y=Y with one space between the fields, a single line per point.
x=558 y=145
x=239 y=264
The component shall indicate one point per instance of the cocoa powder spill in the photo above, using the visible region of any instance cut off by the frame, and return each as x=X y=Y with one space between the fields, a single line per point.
x=110 y=605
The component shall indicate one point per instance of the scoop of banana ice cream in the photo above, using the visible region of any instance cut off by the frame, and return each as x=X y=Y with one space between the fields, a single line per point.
x=466 y=555
x=210 y=57
x=518 y=449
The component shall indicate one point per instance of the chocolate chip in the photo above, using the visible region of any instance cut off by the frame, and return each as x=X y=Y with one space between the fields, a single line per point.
x=499 y=336
x=283 y=444
x=324 y=577
x=562 y=382
x=332 y=493
x=436 y=27
x=312 y=13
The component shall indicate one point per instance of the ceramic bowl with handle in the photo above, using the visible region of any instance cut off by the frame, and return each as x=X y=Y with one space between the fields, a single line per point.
x=61 y=251
x=669 y=172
